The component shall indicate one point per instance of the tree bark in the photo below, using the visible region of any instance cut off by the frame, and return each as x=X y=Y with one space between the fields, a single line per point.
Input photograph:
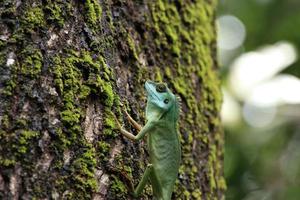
x=65 y=69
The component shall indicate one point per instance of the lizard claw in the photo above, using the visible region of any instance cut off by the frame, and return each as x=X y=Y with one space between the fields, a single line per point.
x=126 y=113
x=124 y=109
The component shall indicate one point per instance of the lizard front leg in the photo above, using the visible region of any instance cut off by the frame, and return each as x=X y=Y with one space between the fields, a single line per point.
x=123 y=131
x=136 y=125
x=143 y=130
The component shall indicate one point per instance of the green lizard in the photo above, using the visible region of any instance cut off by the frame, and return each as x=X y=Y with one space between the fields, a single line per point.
x=162 y=113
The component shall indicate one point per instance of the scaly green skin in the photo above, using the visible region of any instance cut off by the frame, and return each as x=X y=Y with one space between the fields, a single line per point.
x=162 y=114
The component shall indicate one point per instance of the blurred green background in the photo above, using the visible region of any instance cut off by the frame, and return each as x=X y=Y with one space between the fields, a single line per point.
x=258 y=47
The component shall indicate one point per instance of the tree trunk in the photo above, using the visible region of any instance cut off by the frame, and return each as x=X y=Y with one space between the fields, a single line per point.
x=65 y=69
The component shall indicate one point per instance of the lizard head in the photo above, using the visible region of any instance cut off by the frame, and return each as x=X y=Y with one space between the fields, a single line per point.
x=160 y=98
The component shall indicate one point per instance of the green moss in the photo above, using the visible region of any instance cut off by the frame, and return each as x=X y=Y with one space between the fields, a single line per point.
x=128 y=170
x=24 y=139
x=158 y=76
x=77 y=76
x=5 y=162
x=107 y=91
x=32 y=63
x=84 y=92
x=187 y=194
x=21 y=123
x=117 y=187
x=34 y=16
x=222 y=182
x=132 y=47
x=55 y=14
x=57 y=71
x=85 y=162
x=87 y=61
x=96 y=83
x=5 y=122
x=20 y=146
x=9 y=87
x=70 y=117
x=81 y=174
x=168 y=72
x=180 y=84
x=103 y=149
x=94 y=11
x=63 y=141
x=2 y=44
x=109 y=123
x=109 y=120
x=196 y=194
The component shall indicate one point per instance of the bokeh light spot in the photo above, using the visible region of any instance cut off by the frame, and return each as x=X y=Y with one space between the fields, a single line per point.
x=231 y=32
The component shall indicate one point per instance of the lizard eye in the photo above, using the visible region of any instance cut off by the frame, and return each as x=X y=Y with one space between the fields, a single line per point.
x=161 y=88
x=166 y=101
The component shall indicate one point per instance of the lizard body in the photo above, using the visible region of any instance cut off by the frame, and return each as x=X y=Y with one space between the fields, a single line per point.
x=162 y=114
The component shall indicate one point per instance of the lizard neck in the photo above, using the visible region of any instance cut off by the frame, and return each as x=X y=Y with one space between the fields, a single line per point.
x=153 y=114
